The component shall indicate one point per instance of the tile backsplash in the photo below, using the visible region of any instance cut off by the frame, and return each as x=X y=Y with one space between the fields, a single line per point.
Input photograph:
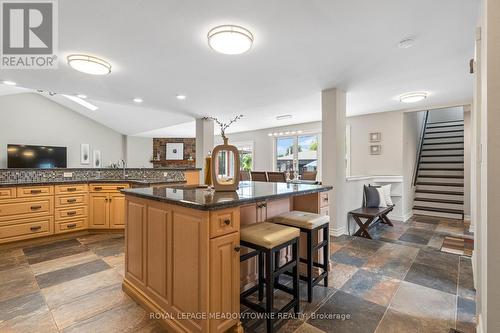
x=27 y=175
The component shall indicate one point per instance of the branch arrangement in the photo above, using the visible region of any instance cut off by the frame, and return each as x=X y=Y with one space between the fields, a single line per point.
x=224 y=126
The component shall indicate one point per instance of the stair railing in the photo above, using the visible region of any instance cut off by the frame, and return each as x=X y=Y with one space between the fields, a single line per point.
x=419 y=152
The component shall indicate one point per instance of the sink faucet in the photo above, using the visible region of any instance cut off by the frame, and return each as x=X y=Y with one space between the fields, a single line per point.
x=123 y=168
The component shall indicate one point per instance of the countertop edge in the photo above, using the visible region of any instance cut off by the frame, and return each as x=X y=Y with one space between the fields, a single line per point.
x=91 y=181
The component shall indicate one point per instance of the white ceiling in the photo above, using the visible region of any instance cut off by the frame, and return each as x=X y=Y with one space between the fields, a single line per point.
x=158 y=49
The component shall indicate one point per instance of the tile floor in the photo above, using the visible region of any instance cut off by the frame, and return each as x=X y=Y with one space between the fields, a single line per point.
x=398 y=282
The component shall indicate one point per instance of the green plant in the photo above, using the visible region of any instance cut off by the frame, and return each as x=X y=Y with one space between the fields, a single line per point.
x=246 y=162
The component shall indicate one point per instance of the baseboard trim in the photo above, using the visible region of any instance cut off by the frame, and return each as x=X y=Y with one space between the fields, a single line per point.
x=339 y=231
x=402 y=218
x=479 y=326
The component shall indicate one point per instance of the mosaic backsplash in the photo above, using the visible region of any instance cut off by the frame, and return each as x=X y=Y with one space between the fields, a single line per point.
x=27 y=175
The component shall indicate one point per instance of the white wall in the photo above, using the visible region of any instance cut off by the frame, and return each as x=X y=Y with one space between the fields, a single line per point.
x=446 y=114
x=263 y=144
x=467 y=162
x=139 y=152
x=33 y=119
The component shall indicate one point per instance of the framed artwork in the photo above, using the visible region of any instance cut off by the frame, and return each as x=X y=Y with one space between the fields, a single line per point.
x=375 y=137
x=375 y=149
x=84 y=153
x=97 y=159
x=175 y=151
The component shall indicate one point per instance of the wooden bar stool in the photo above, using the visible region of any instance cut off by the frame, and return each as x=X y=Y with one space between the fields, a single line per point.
x=310 y=223
x=267 y=239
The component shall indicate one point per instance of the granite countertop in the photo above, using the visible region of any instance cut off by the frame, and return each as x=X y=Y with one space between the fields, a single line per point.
x=199 y=197
x=88 y=181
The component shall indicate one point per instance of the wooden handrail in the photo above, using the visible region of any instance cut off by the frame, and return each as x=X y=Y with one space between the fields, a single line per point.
x=422 y=136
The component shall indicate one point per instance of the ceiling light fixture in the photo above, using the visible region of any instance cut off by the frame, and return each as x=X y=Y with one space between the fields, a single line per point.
x=413 y=97
x=406 y=43
x=284 y=116
x=83 y=103
x=180 y=97
x=9 y=83
x=138 y=100
x=89 y=64
x=230 y=39
x=81 y=96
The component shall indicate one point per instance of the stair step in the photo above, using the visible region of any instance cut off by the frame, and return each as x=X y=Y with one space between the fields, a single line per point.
x=435 y=132
x=441 y=162
x=438 y=149
x=441 y=169
x=440 y=176
x=457 y=202
x=440 y=210
x=443 y=155
x=441 y=184
x=439 y=192
x=447 y=121
x=443 y=126
x=443 y=137
x=442 y=143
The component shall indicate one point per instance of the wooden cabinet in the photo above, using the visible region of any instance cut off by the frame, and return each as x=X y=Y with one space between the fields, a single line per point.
x=11 y=210
x=224 y=280
x=192 y=177
x=116 y=211
x=107 y=209
x=27 y=228
x=34 y=191
x=71 y=189
x=224 y=221
x=7 y=193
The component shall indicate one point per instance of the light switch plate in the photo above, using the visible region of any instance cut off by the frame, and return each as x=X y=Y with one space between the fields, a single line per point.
x=68 y=175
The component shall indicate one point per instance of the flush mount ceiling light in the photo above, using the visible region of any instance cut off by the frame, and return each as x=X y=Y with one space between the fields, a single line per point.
x=283 y=117
x=83 y=103
x=137 y=100
x=180 y=97
x=89 y=64
x=81 y=96
x=230 y=39
x=413 y=97
x=9 y=83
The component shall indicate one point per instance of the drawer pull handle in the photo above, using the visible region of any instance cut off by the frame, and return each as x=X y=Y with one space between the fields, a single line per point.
x=71 y=226
x=35 y=207
x=35 y=191
x=98 y=188
x=71 y=189
x=71 y=213
x=36 y=228
x=325 y=199
x=120 y=188
x=71 y=200
x=227 y=222
x=237 y=249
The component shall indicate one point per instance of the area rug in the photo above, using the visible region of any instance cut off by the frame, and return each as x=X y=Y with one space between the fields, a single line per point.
x=457 y=245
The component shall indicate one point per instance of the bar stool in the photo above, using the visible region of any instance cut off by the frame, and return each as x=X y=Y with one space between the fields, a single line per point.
x=267 y=239
x=310 y=223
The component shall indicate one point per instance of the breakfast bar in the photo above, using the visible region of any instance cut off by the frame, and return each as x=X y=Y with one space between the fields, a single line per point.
x=182 y=248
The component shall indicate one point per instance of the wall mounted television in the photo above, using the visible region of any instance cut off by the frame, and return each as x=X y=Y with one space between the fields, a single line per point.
x=39 y=157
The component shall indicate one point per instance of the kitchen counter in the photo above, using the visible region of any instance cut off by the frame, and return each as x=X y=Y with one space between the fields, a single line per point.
x=143 y=182
x=199 y=197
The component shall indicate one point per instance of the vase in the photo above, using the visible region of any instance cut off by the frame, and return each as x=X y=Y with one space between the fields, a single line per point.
x=225 y=167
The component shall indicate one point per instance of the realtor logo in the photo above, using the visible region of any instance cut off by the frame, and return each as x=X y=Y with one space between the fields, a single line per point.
x=29 y=34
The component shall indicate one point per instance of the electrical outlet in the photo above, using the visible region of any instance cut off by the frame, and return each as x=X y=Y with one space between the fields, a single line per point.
x=165 y=174
x=68 y=175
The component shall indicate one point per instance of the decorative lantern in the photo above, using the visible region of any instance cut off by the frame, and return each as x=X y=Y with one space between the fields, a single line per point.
x=225 y=162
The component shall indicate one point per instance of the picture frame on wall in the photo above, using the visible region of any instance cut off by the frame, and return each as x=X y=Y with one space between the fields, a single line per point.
x=375 y=149
x=84 y=154
x=375 y=137
x=175 y=151
x=97 y=160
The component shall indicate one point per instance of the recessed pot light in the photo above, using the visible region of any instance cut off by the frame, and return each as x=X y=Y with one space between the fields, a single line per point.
x=83 y=103
x=406 y=43
x=180 y=97
x=413 y=97
x=89 y=64
x=137 y=100
x=284 y=116
x=9 y=83
x=230 y=39
x=81 y=96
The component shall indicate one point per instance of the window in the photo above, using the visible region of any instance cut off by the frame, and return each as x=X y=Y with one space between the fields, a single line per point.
x=297 y=153
x=245 y=150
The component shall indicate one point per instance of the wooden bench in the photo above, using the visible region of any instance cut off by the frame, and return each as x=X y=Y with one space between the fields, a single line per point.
x=371 y=215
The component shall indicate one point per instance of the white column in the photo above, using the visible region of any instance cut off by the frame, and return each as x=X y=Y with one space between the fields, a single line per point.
x=204 y=143
x=333 y=108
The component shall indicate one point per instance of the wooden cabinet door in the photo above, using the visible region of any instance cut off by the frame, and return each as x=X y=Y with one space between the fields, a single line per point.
x=116 y=211
x=224 y=280
x=99 y=211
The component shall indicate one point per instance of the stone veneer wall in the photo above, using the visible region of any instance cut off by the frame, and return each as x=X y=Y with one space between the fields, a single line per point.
x=160 y=145
x=27 y=175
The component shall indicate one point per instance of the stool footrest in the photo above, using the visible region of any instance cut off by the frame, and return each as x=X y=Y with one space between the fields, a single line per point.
x=320 y=245
x=250 y=291
x=285 y=268
x=284 y=288
x=249 y=255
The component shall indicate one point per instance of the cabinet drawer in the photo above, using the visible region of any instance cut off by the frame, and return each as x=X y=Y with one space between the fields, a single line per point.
x=29 y=228
x=7 y=193
x=324 y=199
x=71 y=188
x=24 y=208
x=224 y=221
x=34 y=191
x=72 y=200
x=325 y=210
x=108 y=187
x=68 y=226
x=70 y=213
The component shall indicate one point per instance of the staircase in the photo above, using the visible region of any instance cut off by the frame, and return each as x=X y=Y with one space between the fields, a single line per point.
x=439 y=178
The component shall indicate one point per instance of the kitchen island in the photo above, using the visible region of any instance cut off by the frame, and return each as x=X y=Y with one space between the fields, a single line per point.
x=182 y=248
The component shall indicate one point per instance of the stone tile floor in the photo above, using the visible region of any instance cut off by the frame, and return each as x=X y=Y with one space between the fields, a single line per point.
x=398 y=282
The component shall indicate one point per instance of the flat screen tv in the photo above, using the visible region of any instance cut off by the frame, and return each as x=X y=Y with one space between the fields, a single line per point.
x=40 y=157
